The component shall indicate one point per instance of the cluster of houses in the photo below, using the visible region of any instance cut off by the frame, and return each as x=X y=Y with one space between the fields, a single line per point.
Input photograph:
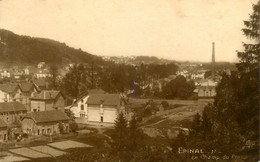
x=41 y=112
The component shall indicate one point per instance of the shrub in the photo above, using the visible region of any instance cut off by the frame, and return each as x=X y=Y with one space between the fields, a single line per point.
x=73 y=127
x=61 y=128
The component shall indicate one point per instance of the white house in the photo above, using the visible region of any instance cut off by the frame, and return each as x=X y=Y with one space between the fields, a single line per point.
x=6 y=74
x=41 y=65
x=101 y=108
x=42 y=74
x=207 y=88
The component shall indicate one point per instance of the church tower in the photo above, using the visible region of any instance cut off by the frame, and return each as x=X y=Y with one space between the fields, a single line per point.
x=213 y=61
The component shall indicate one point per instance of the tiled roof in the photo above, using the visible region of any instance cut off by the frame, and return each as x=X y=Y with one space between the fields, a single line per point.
x=105 y=99
x=9 y=87
x=12 y=107
x=45 y=95
x=2 y=123
x=208 y=82
x=89 y=92
x=39 y=82
x=47 y=116
x=26 y=87
x=96 y=91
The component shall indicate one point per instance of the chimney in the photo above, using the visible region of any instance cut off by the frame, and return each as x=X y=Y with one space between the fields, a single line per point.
x=213 y=61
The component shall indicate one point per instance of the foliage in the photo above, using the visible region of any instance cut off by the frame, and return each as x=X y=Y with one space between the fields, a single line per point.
x=165 y=105
x=149 y=108
x=73 y=126
x=25 y=49
x=61 y=128
x=76 y=81
x=178 y=88
x=127 y=139
x=70 y=114
x=54 y=75
x=120 y=138
x=231 y=124
x=135 y=135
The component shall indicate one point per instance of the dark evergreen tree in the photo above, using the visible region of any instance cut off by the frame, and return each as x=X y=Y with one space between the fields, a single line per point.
x=121 y=136
x=135 y=135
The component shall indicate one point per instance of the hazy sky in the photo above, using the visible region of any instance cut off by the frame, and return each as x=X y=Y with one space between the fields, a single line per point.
x=172 y=29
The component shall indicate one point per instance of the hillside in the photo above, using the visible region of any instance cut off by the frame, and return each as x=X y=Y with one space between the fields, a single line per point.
x=17 y=49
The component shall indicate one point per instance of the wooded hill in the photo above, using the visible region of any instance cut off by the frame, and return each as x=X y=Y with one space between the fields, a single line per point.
x=17 y=49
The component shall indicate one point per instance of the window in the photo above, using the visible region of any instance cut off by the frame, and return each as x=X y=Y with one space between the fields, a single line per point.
x=101 y=118
x=49 y=130
x=43 y=131
x=5 y=97
x=82 y=115
x=82 y=107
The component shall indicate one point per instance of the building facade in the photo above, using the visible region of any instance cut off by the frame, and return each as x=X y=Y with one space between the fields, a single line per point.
x=12 y=112
x=3 y=131
x=45 y=123
x=47 y=100
x=102 y=108
x=26 y=90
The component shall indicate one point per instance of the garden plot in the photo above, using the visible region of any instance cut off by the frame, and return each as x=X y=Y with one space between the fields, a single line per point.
x=68 y=144
x=29 y=153
x=48 y=150
x=6 y=156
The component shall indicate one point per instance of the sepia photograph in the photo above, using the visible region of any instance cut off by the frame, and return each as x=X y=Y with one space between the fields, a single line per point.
x=129 y=80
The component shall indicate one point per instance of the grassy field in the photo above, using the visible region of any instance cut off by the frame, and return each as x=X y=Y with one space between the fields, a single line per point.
x=169 y=124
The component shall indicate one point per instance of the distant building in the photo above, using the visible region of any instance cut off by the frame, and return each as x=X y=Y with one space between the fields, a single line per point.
x=11 y=112
x=45 y=122
x=42 y=74
x=102 y=108
x=183 y=73
x=207 y=89
x=41 y=65
x=198 y=74
x=47 y=100
x=27 y=71
x=5 y=74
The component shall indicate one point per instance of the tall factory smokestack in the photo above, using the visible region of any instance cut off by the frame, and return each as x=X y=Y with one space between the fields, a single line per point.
x=213 y=61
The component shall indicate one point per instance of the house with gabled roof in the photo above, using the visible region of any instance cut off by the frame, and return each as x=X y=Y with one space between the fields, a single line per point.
x=10 y=92
x=98 y=107
x=27 y=89
x=10 y=112
x=45 y=122
x=47 y=100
